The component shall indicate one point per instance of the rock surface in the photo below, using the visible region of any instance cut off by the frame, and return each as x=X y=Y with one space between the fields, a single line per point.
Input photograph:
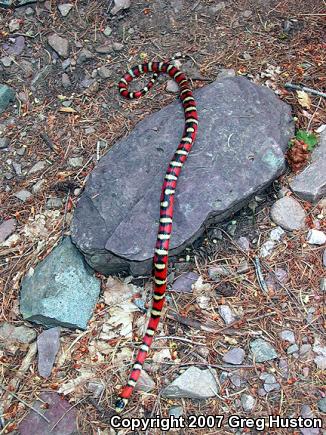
x=7 y=95
x=262 y=351
x=310 y=184
x=194 y=383
x=61 y=292
x=61 y=415
x=7 y=228
x=120 y=204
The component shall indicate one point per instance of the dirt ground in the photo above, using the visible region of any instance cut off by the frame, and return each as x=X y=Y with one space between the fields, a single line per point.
x=270 y=42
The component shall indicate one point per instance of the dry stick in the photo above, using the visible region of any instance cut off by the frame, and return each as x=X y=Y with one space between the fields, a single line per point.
x=25 y=403
x=47 y=141
x=305 y=89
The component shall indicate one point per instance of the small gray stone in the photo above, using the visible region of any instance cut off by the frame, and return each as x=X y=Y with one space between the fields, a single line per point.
x=21 y=151
x=4 y=142
x=306 y=413
x=60 y=45
x=37 y=187
x=7 y=95
x=218 y=7
x=322 y=285
x=104 y=72
x=270 y=383
x=324 y=253
x=117 y=46
x=39 y=166
x=304 y=349
x=89 y=130
x=54 y=203
x=23 y=195
x=262 y=351
x=17 y=168
x=104 y=49
x=246 y=14
x=292 y=349
x=243 y=243
x=76 y=162
x=48 y=343
x=320 y=362
x=288 y=214
x=310 y=184
x=19 y=334
x=145 y=382
x=120 y=5
x=41 y=75
x=316 y=237
x=61 y=417
x=247 y=402
x=14 y=25
x=6 y=61
x=194 y=383
x=96 y=388
x=266 y=248
x=283 y=367
x=236 y=380
x=226 y=314
x=172 y=86
x=287 y=335
x=7 y=228
x=276 y=234
x=176 y=411
x=65 y=8
x=243 y=267
x=84 y=56
x=29 y=12
x=61 y=292
x=322 y=404
x=184 y=282
x=107 y=31
x=66 y=83
x=234 y=356
x=66 y=63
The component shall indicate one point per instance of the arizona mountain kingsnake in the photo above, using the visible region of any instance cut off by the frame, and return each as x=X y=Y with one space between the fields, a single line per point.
x=166 y=204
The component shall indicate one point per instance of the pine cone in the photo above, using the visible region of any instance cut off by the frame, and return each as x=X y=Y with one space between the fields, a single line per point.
x=298 y=155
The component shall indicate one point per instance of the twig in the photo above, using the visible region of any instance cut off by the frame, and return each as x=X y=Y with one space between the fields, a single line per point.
x=65 y=214
x=305 y=89
x=186 y=340
x=25 y=403
x=47 y=141
x=260 y=277
x=68 y=410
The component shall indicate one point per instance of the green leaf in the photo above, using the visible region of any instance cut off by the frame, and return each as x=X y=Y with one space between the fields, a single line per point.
x=309 y=138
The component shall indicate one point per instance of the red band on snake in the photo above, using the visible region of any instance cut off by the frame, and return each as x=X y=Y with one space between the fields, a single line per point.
x=166 y=204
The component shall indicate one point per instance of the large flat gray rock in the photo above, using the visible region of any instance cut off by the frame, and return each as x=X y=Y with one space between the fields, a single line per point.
x=62 y=291
x=243 y=134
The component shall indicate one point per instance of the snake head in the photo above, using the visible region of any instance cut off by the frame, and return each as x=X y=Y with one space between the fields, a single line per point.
x=120 y=405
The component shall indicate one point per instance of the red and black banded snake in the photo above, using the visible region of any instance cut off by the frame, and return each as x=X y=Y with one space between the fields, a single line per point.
x=166 y=204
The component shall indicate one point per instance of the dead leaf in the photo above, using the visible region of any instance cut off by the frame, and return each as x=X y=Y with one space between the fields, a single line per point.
x=67 y=110
x=304 y=99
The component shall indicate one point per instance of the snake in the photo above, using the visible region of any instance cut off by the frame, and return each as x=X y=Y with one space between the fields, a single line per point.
x=161 y=250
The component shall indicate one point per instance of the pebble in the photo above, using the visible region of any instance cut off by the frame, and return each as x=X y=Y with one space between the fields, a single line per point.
x=48 y=343
x=306 y=413
x=21 y=151
x=304 y=349
x=6 y=61
x=29 y=12
x=104 y=72
x=176 y=411
x=60 y=45
x=7 y=228
x=288 y=214
x=243 y=267
x=117 y=46
x=324 y=254
x=292 y=349
x=119 y=5
x=184 y=282
x=247 y=402
x=172 y=86
x=226 y=314
x=243 y=243
x=76 y=162
x=37 y=187
x=104 y=49
x=4 y=142
x=262 y=351
x=316 y=237
x=54 y=203
x=96 y=388
x=218 y=7
x=276 y=234
x=84 y=56
x=234 y=356
x=287 y=335
x=225 y=73
x=107 y=31
x=20 y=334
x=14 y=25
x=266 y=248
x=23 y=195
x=17 y=168
x=322 y=285
x=65 y=8
x=39 y=166
x=283 y=367
x=66 y=82
x=236 y=380
x=322 y=404
x=270 y=382
x=145 y=383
